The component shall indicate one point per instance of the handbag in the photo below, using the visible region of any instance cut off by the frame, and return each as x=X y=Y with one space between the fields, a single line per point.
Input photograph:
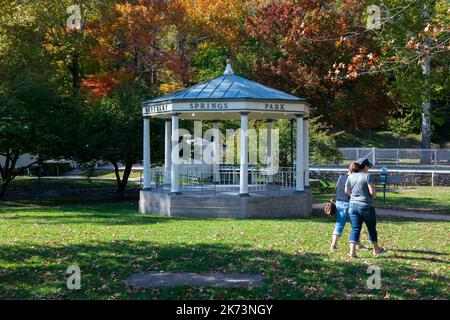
x=330 y=208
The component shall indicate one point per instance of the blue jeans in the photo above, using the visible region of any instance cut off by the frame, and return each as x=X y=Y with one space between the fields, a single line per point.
x=360 y=213
x=342 y=217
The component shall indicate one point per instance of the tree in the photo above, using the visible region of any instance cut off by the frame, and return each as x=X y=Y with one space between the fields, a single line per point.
x=414 y=41
x=322 y=141
x=29 y=124
x=33 y=114
x=65 y=37
x=297 y=45
x=111 y=131
x=131 y=63
x=400 y=127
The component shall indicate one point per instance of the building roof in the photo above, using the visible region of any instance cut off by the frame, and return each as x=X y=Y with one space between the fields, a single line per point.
x=227 y=86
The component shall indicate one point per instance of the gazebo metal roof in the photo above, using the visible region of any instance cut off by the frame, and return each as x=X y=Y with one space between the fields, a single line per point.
x=226 y=86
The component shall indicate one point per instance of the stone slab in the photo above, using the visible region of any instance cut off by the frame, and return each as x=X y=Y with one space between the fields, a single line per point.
x=171 y=279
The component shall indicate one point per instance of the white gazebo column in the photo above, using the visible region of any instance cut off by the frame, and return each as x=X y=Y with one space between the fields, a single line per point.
x=167 y=151
x=269 y=150
x=175 y=154
x=306 y=149
x=216 y=152
x=243 y=186
x=299 y=154
x=147 y=164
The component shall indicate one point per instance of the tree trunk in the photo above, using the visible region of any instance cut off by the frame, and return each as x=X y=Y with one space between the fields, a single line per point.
x=39 y=169
x=75 y=75
x=122 y=182
x=119 y=190
x=74 y=67
x=3 y=187
x=426 y=120
x=8 y=171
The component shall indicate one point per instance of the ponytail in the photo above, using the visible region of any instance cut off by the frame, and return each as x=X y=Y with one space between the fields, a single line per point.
x=354 y=167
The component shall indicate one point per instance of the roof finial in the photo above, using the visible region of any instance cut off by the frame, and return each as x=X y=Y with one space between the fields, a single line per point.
x=228 y=69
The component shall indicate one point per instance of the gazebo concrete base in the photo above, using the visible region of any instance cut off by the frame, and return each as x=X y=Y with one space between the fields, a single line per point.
x=227 y=205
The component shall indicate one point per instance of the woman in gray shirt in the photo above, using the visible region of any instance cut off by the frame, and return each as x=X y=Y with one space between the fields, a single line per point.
x=361 y=188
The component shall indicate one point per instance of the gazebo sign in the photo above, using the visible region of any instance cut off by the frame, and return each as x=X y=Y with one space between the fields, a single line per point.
x=289 y=108
x=208 y=105
x=156 y=108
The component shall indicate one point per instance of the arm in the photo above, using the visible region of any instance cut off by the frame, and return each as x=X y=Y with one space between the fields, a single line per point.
x=371 y=185
x=372 y=191
x=347 y=190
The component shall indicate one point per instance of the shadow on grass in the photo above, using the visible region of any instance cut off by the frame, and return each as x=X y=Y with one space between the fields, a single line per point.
x=320 y=216
x=39 y=272
x=416 y=251
x=422 y=205
x=63 y=201
x=118 y=212
x=120 y=218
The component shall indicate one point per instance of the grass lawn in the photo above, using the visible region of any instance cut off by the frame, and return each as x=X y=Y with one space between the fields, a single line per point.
x=110 y=241
x=415 y=198
x=112 y=175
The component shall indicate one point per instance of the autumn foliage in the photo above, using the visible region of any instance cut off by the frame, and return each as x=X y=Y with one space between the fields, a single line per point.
x=306 y=44
x=317 y=49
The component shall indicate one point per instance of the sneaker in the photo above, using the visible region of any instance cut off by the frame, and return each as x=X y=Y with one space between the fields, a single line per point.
x=333 y=248
x=379 y=253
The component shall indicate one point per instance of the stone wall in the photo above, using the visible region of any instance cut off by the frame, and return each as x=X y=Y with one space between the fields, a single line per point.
x=411 y=178
x=227 y=206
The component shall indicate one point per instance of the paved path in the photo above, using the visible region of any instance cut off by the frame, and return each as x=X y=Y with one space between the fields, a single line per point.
x=169 y=279
x=399 y=213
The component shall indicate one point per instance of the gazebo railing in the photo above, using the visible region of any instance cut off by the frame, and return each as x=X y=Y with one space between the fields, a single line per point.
x=226 y=180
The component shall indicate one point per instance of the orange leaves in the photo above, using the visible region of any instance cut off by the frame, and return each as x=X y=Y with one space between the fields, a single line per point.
x=362 y=62
x=412 y=43
x=99 y=85
x=128 y=44
x=219 y=20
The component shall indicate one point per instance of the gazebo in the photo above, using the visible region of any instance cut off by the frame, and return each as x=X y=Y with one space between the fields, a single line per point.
x=226 y=192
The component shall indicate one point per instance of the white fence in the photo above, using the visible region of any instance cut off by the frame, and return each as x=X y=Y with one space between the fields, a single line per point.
x=398 y=156
x=259 y=180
